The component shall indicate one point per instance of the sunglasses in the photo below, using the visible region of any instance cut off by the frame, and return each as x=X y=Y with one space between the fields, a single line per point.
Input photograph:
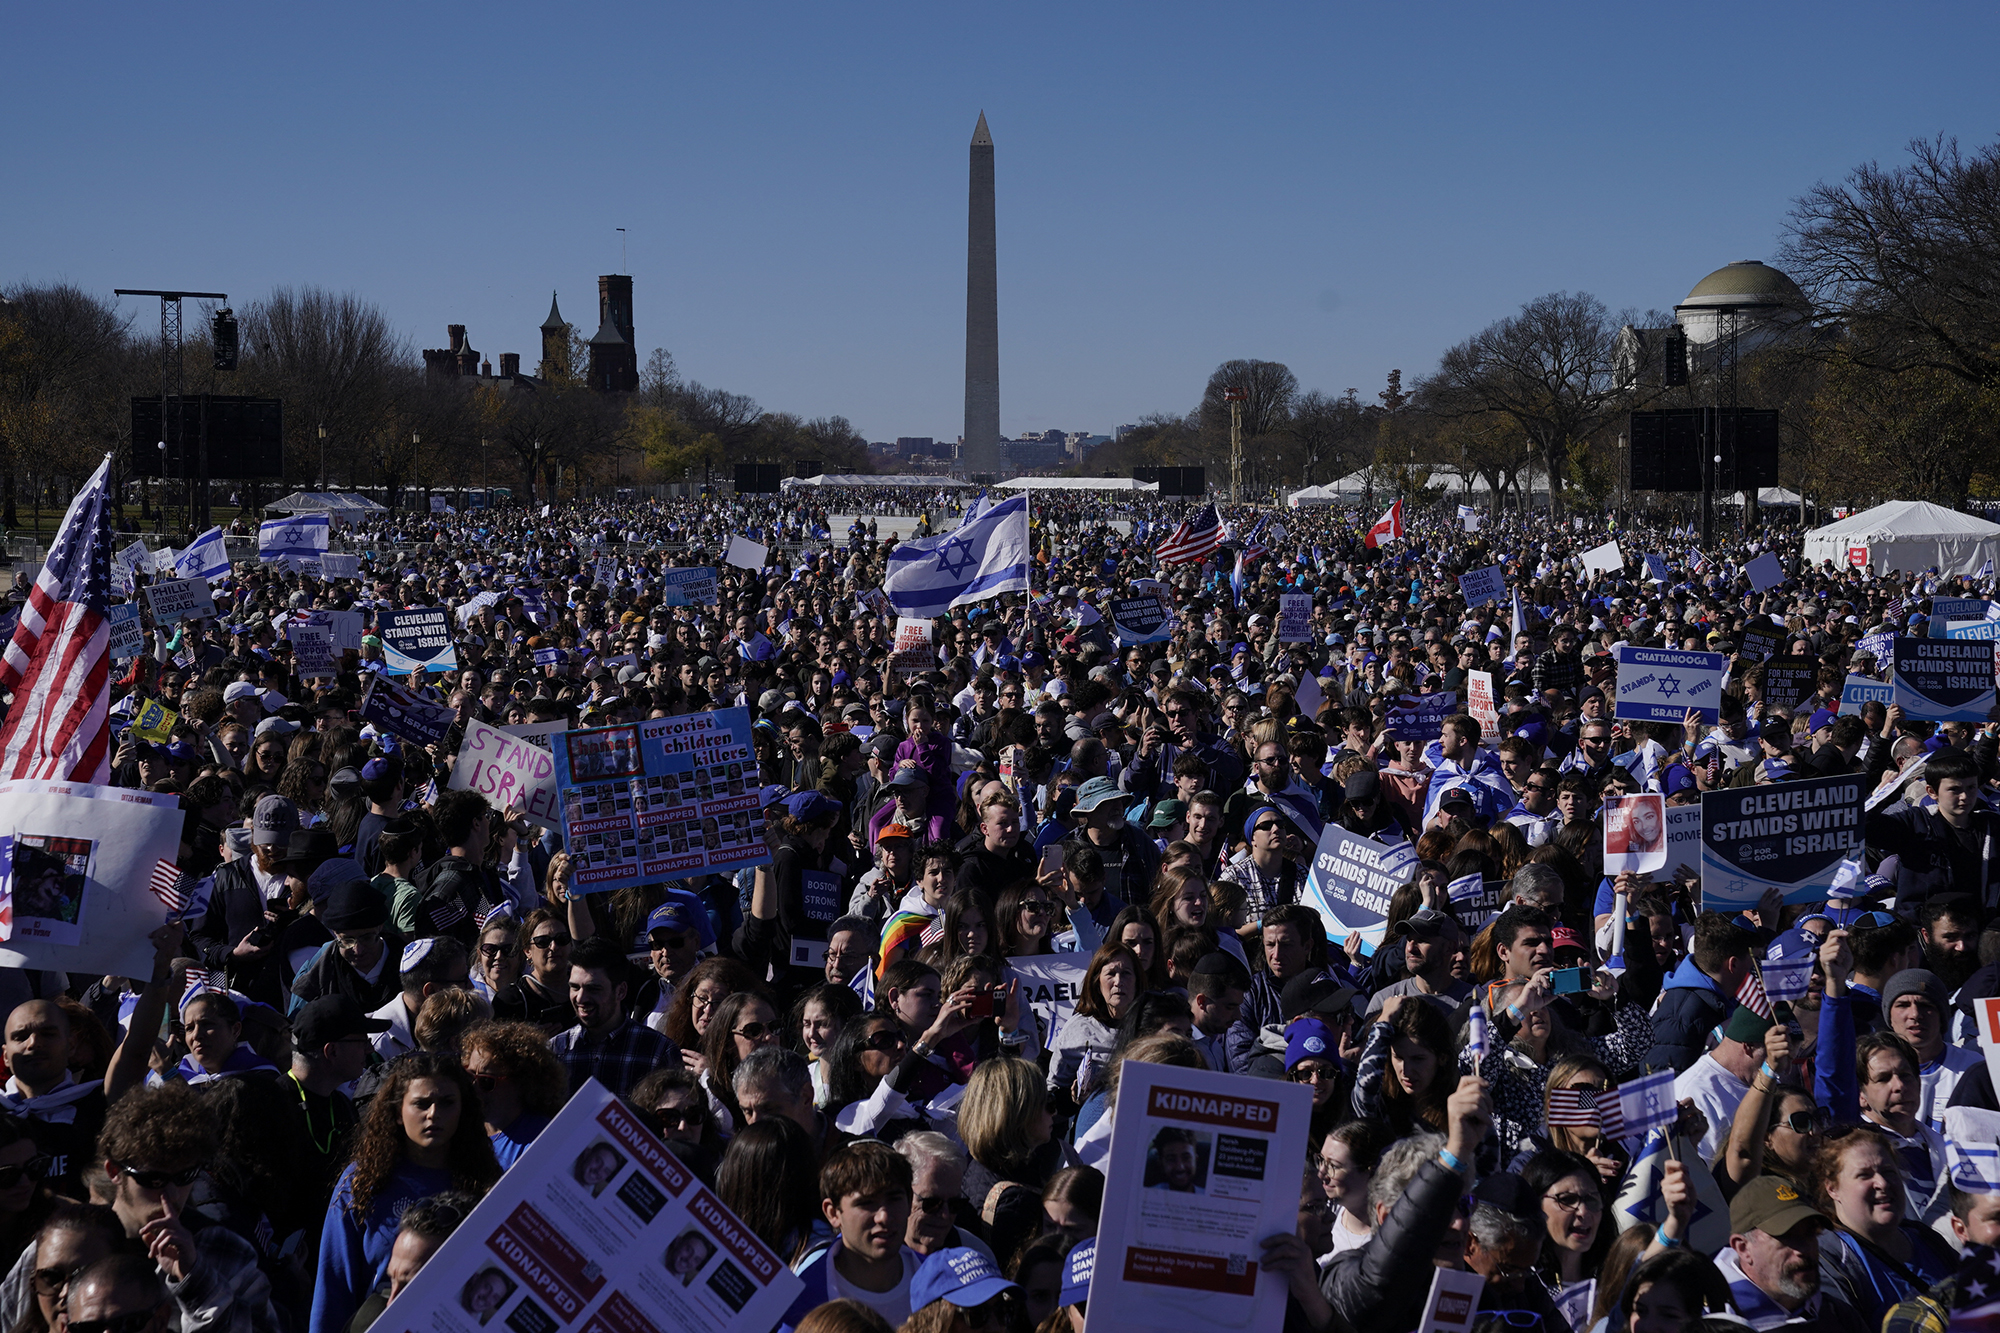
x=33 y=1169
x=931 y=1203
x=492 y=951
x=669 y=942
x=484 y=1082
x=52 y=1282
x=549 y=942
x=1807 y=1122
x=1514 y=1318
x=1038 y=908
x=158 y=1180
x=1309 y=1074
x=755 y=1031
x=118 y=1323
x=687 y=1117
x=1264 y=828
x=885 y=1041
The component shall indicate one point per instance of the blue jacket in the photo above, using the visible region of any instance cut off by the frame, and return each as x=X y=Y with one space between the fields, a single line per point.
x=813 y=1270
x=1690 y=1006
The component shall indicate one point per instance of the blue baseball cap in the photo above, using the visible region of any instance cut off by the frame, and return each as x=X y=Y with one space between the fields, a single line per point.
x=1077 y=1268
x=961 y=1275
x=772 y=794
x=807 y=806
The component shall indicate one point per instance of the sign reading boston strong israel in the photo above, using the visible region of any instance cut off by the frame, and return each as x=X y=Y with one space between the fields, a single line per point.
x=1788 y=836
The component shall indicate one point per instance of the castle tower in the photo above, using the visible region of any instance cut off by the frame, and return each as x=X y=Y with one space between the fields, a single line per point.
x=555 y=343
x=614 y=355
x=981 y=449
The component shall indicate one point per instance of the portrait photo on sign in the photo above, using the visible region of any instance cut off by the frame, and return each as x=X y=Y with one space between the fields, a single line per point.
x=485 y=1293
x=1178 y=1160
x=688 y=1255
x=49 y=876
x=611 y=753
x=597 y=1166
x=1635 y=834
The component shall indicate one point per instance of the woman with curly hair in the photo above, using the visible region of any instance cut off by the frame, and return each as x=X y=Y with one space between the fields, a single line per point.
x=519 y=1080
x=424 y=1133
x=696 y=999
x=303 y=783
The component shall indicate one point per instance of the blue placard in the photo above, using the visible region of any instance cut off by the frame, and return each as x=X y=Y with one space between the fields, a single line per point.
x=688 y=587
x=1988 y=630
x=1790 y=835
x=1948 y=680
x=391 y=708
x=1141 y=619
x=418 y=639
x=1661 y=684
x=1420 y=717
x=1859 y=690
x=1657 y=570
x=1944 y=610
x=1351 y=880
x=1480 y=586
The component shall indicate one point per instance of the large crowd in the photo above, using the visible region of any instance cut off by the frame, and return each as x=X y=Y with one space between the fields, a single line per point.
x=394 y=985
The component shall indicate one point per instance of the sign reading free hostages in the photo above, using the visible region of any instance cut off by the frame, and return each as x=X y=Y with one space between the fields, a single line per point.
x=1661 y=684
x=1789 y=836
x=1351 y=880
x=1944 y=680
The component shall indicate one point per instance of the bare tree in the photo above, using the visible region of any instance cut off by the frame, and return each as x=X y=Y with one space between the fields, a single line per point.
x=1335 y=434
x=60 y=351
x=335 y=361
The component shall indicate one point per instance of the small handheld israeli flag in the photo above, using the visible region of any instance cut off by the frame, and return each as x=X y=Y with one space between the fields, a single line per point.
x=205 y=558
x=1787 y=979
x=863 y=984
x=1477 y=1036
x=1614 y=960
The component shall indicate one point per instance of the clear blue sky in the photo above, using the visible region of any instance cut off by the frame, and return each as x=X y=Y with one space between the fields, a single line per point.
x=1339 y=189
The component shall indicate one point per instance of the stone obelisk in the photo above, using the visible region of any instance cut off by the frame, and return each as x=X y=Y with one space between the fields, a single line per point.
x=981 y=451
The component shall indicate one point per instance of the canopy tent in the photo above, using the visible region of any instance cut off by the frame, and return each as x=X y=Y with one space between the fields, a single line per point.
x=1770 y=497
x=1907 y=536
x=1075 y=484
x=325 y=502
x=873 y=479
x=1327 y=494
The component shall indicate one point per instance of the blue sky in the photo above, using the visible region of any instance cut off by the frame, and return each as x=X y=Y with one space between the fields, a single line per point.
x=1345 y=189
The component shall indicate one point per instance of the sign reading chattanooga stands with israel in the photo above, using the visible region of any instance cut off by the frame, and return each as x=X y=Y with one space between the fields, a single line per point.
x=1351 y=880
x=662 y=798
x=1944 y=680
x=1788 y=836
x=1661 y=684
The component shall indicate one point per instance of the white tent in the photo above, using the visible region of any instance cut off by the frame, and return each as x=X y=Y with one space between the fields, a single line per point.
x=1308 y=496
x=874 y=479
x=1905 y=536
x=1770 y=497
x=325 y=502
x=1075 y=484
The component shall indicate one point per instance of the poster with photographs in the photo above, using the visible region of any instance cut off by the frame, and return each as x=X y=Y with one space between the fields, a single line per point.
x=1635 y=834
x=599 y=1229
x=80 y=859
x=663 y=798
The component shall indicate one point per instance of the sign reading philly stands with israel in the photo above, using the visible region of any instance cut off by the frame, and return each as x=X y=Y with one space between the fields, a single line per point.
x=1788 y=836
x=1944 y=680
x=1661 y=684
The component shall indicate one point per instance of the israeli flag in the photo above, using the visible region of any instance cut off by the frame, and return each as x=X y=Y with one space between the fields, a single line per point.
x=1520 y=615
x=1985 y=570
x=301 y=534
x=976 y=560
x=1787 y=979
x=862 y=983
x=206 y=558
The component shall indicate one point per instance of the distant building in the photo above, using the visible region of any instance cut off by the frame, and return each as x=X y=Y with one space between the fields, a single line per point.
x=1122 y=431
x=1749 y=300
x=614 y=350
x=614 y=355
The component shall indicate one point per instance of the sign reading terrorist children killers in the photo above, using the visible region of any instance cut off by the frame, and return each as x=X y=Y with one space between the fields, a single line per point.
x=1351 y=880
x=660 y=799
x=599 y=1229
x=1788 y=836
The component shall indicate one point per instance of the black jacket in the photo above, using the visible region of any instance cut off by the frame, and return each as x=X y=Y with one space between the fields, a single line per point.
x=1930 y=858
x=1371 y=1287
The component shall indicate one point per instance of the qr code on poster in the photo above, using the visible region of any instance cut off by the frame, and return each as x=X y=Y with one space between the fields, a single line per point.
x=1238 y=1264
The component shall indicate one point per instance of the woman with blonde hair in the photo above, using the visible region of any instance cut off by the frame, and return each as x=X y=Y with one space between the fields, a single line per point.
x=1580 y=1072
x=1007 y=1126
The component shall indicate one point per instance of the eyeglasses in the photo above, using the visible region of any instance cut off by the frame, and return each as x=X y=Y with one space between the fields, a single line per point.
x=34 y=1169
x=52 y=1282
x=549 y=942
x=1572 y=1202
x=1509 y=1273
x=1540 y=786
x=931 y=1203
x=884 y=1041
x=483 y=1082
x=1513 y=1318
x=691 y=1116
x=157 y=1180
x=118 y=1323
x=755 y=1031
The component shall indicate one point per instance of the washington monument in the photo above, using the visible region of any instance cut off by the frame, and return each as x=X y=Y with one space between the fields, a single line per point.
x=981 y=450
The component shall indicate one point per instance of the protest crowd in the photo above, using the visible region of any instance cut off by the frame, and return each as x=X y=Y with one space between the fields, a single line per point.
x=1352 y=810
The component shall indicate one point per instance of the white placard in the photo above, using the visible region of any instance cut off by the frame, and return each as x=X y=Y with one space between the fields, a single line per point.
x=82 y=856
x=1765 y=571
x=1986 y=1012
x=312 y=650
x=1605 y=559
x=598 y=1227
x=1203 y=1168
x=746 y=554
x=508 y=770
x=1050 y=983
x=1453 y=1303
x=1295 y=611
x=175 y=600
x=1635 y=834
x=1481 y=705
x=914 y=653
x=1683 y=840
x=337 y=566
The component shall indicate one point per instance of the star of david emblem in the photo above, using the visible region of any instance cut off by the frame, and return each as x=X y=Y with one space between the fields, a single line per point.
x=1669 y=687
x=955 y=557
x=293 y=536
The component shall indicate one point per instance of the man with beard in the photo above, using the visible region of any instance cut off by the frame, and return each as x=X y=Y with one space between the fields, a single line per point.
x=1176 y=1151
x=1772 y=1263
x=1950 y=936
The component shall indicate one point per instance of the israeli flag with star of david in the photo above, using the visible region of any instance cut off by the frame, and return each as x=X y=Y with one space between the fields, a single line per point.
x=981 y=558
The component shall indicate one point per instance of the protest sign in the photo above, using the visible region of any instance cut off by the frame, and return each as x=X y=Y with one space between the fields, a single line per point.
x=1635 y=834
x=77 y=887
x=389 y=707
x=1481 y=703
x=1480 y=586
x=1988 y=630
x=335 y=566
x=312 y=649
x=508 y=771
x=1766 y=571
x=1863 y=689
x=153 y=721
x=1605 y=559
x=128 y=637
x=1943 y=680
x=176 y=600
x=1986 y=1012
x=598 y=1227
x=125 y=566
x=1790 y=679
x=1944 y=610
x=1420 y=717
x=1658 y=570
x=688 y=587
x=438 y=505
x=1760 y=640
x=345 y=626
x=417 y=640
x=1295 y=613
x=477 y=604
x=1050 y=983
x=1788 y=836
x=745 y=554
x=1972 y=1145
x=1877 y=646
x=1203 y=1167
x=604 y=574
x=660 y=799
x=1661 y=684
x=913 y=654
x=1351 y=880
x=1683 y=840
x=1453 y=1303
x=1145 y=619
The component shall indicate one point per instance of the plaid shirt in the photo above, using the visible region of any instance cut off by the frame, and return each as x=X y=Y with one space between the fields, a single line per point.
x=619 y=1060
x=1261 y=890
x=1926 y=1312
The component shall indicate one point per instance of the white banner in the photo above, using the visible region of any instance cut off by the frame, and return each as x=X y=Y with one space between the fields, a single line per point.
x=1605 y=559
x=82 y=857
x=508 y=771
x=746 y=554
x=176 y=600
x=1050 y=983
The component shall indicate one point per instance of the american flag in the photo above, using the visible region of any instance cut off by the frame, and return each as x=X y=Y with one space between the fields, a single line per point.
x=1977 y=1306
x=57 y=663
x=1751 y=996
x=933 y=932
x=1579 y=1108
x=1697 y=562
x=165 y=884
x=1253 y=545
x=1196 y=538
x=1894 y=611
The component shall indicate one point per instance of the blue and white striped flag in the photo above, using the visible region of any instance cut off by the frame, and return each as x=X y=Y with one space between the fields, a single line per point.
x=205 y=558
x=301 y=534
x=980 y=559
x=1477 y=1040
x=1787 y=979
x=862 y=983
x=1520 y=615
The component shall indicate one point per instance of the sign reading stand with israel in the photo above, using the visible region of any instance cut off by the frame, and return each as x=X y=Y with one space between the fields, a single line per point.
x=1788 y=836
x=1661 y=684
x=1944 y=680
